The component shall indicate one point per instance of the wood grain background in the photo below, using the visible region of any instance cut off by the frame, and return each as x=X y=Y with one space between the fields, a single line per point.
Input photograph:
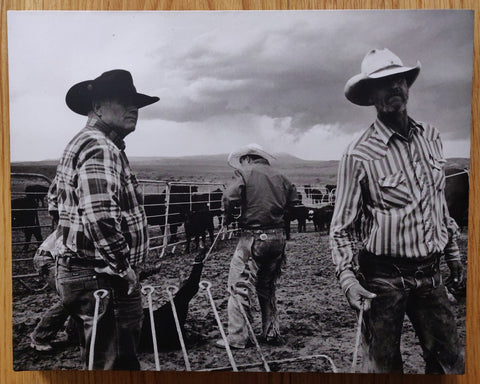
x=7 y=375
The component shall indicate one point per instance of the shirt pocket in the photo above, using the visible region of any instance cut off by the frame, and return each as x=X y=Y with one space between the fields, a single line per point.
x=394 y=190
x=438 y=174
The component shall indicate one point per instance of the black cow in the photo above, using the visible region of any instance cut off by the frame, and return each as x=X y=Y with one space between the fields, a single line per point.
x=216 y=204
x=456 y=194
x=321 y=217
x=38 y=192
x=330 y=187
x=166 y=332
x=316 y=196
x=25 y=216
x=180 y=203
x=196 y=224
x=299 y=213
x=154 y=206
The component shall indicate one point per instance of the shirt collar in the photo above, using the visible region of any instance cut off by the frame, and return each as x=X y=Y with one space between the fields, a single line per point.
x=385 y=133
x=95 y=122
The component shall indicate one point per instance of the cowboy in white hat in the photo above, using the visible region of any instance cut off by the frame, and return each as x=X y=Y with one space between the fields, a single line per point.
x=99 y=204
x=392 y=178
x=263 y=195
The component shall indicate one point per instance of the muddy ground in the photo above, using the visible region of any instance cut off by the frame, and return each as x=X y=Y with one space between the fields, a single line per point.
x=314 y=316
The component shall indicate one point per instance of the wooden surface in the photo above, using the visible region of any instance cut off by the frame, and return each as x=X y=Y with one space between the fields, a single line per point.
x=473 y=313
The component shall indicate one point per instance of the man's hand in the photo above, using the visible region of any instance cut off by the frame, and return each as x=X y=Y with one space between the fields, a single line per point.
x=455 y=280
x=131 y=277
x=358 y=296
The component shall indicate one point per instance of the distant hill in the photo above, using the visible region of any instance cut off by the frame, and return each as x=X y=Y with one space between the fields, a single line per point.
x=214 y=168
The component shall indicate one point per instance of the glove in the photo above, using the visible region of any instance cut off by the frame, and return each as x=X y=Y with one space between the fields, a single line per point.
x=358 y=296
x=456 y=277
x=129 y=275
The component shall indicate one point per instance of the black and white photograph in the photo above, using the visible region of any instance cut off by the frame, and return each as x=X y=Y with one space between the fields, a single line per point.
x=240 y=190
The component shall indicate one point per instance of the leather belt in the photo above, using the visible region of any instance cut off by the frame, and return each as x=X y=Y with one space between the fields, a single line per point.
x=371 y=264
x=69 y=261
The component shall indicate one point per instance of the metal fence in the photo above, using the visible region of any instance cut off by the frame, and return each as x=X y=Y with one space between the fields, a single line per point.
x=169 y=205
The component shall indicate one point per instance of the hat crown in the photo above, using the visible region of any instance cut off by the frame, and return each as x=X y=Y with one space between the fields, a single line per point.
x=378 y=59
x=114 y=82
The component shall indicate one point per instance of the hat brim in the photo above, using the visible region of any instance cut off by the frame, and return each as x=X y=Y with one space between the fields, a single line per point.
x=79 y=98
x=359 y=87
x=234 y=157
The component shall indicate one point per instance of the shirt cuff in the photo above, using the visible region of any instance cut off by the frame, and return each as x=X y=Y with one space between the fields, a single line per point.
x=347 y=279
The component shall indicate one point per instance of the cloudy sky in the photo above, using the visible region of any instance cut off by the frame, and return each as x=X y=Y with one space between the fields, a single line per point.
x=230 y=78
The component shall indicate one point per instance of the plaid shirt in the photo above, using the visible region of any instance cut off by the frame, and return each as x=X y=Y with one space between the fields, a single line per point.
x=397 y=187
x=99 y=200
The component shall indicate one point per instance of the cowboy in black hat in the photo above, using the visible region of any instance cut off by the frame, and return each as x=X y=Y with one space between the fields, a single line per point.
x=392 y=179
x=104 y=228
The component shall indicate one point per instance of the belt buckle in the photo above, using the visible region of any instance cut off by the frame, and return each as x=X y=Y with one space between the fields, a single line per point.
x=263 y=236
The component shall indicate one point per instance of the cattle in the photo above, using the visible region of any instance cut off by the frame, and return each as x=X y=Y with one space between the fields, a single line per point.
x=37 y=192
x=298 y=212
x=456 y=195
x=166 y=331
x=154 y=206
x=197 y=223
x=307 y=188
x=316 y=195
x=180 y=203
x=321 y=217
x=330 y=187
x=25 y=216
x=216 y=204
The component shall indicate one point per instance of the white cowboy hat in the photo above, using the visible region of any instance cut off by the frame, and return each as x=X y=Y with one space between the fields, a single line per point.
x=377 y=63
x=249 y=149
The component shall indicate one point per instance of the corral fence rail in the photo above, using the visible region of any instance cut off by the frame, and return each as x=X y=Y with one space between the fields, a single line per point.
x=167 y=204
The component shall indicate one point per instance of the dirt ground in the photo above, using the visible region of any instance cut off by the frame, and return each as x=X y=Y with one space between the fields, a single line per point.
x=314 y=315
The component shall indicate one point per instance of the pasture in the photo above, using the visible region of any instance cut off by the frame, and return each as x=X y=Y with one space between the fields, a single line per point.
x=314 y=315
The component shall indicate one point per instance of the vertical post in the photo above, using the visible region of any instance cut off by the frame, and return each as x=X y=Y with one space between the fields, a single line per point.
x=167 y=209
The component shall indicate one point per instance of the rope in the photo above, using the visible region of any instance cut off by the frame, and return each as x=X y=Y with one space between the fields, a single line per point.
x=171 y=290
x=213 y=244
x=206 y=285
x=357 y=338
x=252 y=333
x=148 y=290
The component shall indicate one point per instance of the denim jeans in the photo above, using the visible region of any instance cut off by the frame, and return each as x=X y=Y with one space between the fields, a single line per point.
x=423 y=298
x=53 y=320
x=255 y=266
x=119 y=319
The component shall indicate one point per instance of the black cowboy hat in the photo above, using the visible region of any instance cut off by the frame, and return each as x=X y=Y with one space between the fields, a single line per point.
x=117 y=82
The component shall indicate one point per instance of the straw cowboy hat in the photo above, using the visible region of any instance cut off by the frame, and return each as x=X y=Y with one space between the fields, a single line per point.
x=117 y=82
x=377 y=63
x=249 y=149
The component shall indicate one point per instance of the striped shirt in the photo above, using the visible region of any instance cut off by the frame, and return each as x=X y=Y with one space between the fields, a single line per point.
x=394 y=187
x=98 y=199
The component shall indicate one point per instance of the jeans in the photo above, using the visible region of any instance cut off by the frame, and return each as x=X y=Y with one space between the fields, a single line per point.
x=53 y=320
x=255 y=266
x=423 y=298
x=119 y=318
